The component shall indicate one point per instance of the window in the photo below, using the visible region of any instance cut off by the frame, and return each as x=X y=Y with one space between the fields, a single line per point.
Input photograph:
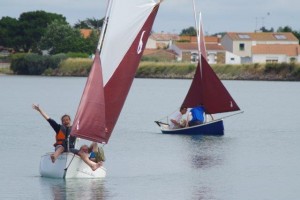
x=242 y=47
x=271 y=60
x=232 y=59
x=280 y=37
x=244 y=36
x=194 y=57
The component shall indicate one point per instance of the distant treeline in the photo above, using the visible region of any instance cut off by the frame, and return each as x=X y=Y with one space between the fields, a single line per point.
x=79 y=65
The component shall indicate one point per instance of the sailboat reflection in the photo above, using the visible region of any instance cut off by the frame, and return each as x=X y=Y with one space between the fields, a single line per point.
x=75 y=189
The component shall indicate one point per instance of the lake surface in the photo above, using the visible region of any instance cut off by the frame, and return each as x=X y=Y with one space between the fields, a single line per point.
x=257 y=158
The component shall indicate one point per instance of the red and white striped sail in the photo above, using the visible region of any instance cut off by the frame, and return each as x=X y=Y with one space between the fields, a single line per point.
x=206 y=88
x=129 y=24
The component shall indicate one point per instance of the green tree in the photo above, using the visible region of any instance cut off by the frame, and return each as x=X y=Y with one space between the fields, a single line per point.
x=285 y=29
x=62 y=38
x=24 y=33
x=89 y=23
x=289 y=29
x=91 y=42
x=191 y=31
x=33 y=25
x=264 y=29
x=9 y=32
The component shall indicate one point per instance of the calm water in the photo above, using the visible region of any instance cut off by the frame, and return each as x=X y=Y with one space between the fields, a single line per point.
x=257 y=158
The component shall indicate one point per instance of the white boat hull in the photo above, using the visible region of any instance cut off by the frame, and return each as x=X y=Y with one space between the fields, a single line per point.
x=68 y=165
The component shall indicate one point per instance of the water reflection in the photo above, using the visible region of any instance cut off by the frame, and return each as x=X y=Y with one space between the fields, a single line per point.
x=74 y=188
x=206 y=151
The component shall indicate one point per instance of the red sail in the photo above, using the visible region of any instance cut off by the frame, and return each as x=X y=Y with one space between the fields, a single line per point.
x=118 y=86
x=208 y=90
x=89 y=122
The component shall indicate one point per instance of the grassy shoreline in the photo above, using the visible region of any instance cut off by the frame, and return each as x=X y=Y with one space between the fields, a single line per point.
x=178 y=70
x=276 y=71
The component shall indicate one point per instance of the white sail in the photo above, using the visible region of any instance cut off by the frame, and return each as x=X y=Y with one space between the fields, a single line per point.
x=125 y=21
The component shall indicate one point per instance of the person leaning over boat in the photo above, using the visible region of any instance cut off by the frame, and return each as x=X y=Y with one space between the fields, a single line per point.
x=61 y=131
x=84 y=153
x=176 y=120
x=196 y=116
x=96 y=153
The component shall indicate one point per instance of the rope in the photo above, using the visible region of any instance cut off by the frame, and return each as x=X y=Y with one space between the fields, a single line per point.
x=166 y=117
x=233 y=114
x=65 y=170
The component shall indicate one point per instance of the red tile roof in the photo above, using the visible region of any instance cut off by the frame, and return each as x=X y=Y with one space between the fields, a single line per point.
x=85 y=32
x=164 y=36
x=262 y=36
x=287 y=49
x=208 y=39
x=194 y=46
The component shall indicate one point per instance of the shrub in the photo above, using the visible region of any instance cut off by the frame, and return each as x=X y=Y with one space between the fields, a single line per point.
x=34 y=64
x=75 y=67
x=77 y=55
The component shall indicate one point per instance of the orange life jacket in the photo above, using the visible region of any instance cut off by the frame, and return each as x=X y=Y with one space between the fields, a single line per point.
x=60 y=138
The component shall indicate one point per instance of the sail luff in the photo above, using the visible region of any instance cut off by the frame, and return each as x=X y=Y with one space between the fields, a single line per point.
x=104 y=26
x=202 y=37
x=126 y=34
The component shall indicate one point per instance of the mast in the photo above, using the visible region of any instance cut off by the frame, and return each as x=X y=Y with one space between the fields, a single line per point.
x=197 y=28
x=104 y=25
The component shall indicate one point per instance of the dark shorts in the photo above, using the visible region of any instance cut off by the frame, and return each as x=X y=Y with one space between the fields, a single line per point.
x=75 y=151
x=194 y=123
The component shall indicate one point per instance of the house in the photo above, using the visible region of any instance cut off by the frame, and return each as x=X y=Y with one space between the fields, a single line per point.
x=86 y=32
x=187 y=50
x=159 y=55
x=5 y=51
x=161 y=40
x=262 y=47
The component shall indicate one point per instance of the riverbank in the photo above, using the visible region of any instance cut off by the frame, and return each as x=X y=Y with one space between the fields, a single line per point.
x=274 y=72
x=177 y=70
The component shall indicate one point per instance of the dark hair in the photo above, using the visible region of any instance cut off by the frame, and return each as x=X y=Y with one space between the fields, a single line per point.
x=183 y=107
x=65 y=115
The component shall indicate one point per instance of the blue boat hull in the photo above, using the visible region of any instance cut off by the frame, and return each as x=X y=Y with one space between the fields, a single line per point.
x=211 y=128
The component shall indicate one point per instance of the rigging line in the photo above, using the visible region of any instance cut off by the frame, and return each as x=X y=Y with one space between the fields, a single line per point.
x=65 y=170
x=232 y=115
x=168 y=115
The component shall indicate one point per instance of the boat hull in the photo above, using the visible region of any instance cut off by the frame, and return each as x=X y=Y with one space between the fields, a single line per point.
x=210 y=128
x=68 y=165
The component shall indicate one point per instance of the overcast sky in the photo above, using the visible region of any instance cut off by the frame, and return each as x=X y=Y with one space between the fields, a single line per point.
x=175 y=15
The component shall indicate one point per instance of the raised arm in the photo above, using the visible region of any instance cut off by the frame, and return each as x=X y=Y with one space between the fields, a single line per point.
x=37 y=108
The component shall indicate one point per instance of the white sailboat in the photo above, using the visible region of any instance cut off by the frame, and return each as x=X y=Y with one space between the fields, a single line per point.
x=124 y=36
